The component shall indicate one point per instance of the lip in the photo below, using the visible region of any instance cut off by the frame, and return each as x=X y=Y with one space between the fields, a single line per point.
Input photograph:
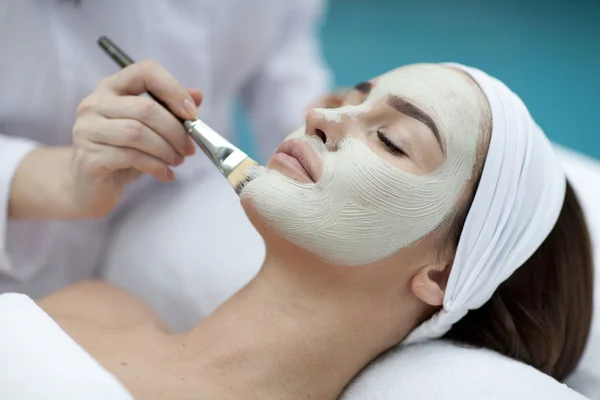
x=298 y=158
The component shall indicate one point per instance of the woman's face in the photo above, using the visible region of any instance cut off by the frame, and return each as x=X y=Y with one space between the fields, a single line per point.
x=359 y=183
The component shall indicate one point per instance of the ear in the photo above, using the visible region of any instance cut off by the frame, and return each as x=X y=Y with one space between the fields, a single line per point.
x=429 y=284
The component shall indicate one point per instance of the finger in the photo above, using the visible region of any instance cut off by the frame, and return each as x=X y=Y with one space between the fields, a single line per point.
x=191 y=146
x=151 y=114
x=102 y=158
x=132 y=134
x=149 y=76
x=126 y=158
x=196 y=96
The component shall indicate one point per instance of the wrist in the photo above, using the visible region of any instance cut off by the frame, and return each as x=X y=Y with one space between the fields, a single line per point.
x=66 y=190
x=43 y=186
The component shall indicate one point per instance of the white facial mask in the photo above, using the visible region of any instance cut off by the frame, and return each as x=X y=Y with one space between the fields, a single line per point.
x=363 y=209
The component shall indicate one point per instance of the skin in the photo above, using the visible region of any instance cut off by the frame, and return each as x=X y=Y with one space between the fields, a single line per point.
x=285 y=335
x=117 y=136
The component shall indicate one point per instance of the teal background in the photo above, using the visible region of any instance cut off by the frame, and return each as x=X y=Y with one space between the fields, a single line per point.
x=548 y=52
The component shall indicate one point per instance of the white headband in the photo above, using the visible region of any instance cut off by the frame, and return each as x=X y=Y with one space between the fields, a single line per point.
x=517 y=203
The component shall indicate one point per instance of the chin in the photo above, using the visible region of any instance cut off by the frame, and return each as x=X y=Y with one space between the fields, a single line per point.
x=252 y=213
x=273 y=240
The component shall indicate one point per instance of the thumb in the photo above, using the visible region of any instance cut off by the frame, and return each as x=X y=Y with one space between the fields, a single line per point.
x=197 y=96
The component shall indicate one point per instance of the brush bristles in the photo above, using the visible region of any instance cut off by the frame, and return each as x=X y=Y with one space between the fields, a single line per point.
x=239 y=177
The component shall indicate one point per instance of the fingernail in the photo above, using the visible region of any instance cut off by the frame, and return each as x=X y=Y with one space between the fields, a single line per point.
x=190 y=148
x=170 y=174
x=190 y=108
x=178 y=159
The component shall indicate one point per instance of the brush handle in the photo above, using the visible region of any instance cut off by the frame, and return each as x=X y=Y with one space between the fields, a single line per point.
x=223 y=154
x=123 y=60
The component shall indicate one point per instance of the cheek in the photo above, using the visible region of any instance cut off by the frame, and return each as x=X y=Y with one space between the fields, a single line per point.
x=399 y=162
x=390 y=188
x=367 y=135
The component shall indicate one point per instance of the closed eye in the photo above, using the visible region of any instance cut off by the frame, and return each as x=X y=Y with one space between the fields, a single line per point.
x=390 y=146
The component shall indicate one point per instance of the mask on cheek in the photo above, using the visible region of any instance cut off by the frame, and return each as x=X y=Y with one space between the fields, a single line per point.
x=363 y=209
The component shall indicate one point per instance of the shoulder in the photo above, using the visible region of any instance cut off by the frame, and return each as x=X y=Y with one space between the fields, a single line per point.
x=102 y=304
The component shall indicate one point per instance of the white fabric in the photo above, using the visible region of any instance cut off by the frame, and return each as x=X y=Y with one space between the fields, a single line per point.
x=264 y=52
x=12 y=152
x=586 y=378
x=517 y=203
x=440 y=370
x=39 y=361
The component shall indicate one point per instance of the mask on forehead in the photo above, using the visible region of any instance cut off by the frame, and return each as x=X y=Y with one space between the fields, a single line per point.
x=363 y=209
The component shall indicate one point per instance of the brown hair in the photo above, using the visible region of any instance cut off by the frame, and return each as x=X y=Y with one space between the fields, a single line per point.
x=541 y=315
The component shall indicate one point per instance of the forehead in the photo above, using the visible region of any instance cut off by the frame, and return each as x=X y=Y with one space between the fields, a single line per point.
x=446 y=94
x=418 y=78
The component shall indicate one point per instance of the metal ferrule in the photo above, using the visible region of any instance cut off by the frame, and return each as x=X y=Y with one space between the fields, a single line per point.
x=223 y=154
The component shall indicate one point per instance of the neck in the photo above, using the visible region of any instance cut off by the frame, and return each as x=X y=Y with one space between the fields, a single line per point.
x=298 y=330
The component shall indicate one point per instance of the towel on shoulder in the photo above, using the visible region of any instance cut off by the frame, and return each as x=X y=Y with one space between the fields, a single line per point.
x=38 y=360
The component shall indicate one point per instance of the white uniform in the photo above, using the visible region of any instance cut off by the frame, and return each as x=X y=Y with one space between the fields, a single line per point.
x=264 y=52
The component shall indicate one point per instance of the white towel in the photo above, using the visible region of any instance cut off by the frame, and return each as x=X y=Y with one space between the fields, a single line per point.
x=440 y=370
x=38 y=360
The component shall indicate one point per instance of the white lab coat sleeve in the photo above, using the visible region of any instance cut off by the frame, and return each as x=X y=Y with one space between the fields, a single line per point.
x=12 y=152
x=294 y=75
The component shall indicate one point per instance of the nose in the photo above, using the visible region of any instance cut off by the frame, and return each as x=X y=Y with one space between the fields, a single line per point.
x=327 y=124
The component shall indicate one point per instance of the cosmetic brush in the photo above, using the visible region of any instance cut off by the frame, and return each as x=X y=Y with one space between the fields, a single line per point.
x=234 y=164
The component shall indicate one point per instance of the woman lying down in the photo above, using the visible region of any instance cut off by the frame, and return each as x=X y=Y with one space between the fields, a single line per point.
x=429 y=204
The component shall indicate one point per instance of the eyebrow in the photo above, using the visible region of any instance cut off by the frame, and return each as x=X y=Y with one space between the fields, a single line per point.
x=409 y=109
x=364 y=87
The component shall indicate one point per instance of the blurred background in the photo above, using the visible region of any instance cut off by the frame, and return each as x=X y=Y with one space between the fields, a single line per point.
x=547 y=51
